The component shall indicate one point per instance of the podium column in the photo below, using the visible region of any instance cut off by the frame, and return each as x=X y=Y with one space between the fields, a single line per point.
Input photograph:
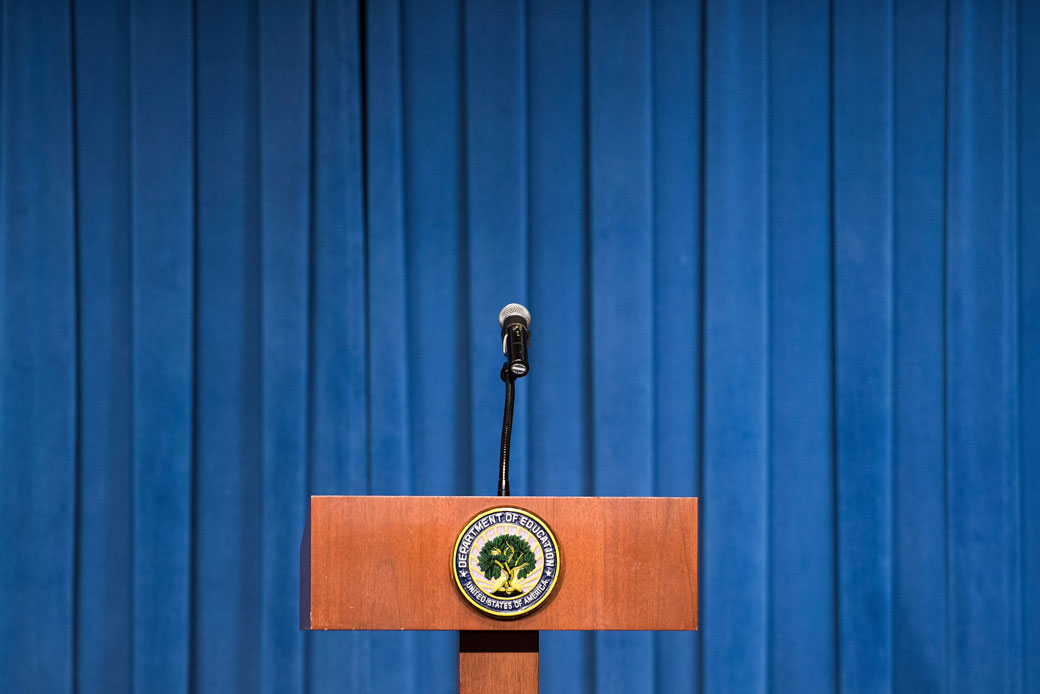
x=491 y=661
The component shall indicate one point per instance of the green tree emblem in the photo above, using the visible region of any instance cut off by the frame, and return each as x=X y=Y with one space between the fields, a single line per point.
x=506 y=560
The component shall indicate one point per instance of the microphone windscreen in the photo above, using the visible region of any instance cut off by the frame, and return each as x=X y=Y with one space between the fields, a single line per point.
x=514 y=310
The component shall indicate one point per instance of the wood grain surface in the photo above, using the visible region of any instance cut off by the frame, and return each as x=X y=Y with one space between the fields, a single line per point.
x=498 y=661
x=385 y=562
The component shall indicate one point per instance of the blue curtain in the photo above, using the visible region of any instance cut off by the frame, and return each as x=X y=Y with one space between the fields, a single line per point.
x=784 y=256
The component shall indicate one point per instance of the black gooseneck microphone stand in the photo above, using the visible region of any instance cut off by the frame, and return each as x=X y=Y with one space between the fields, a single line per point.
x=507 y=430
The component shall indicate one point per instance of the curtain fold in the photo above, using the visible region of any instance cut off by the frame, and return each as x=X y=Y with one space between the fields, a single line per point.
x=862 y=250
x=780 y=255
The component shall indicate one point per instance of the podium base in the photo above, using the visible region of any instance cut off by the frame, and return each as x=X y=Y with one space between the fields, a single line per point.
x=487 y=659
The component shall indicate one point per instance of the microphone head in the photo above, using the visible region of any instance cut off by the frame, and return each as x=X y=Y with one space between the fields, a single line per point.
x=515 y=321
x=514 y=310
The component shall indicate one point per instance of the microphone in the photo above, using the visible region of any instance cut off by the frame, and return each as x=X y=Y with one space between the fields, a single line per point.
x=515 y=321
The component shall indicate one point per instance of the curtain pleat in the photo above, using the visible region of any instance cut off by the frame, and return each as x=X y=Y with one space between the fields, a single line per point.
x=228 y=418
x=284 y=132
x=918 y=386
x=801 y=623
x=780 y=255
x=862 y=241
x=164 y=358
x=1026 y=181
x=981 y=327
x=104 y=633
x=735 y=362
x=40 y=373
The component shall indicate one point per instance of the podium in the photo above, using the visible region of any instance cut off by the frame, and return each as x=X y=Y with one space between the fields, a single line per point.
x=388 y=563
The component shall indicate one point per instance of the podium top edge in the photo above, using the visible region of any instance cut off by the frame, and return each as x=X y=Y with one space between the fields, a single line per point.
x=500 y=499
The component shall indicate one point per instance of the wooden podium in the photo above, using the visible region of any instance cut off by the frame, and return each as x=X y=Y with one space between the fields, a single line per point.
x=386 y=562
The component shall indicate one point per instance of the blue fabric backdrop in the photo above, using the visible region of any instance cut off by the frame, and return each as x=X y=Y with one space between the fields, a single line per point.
x=253 y=250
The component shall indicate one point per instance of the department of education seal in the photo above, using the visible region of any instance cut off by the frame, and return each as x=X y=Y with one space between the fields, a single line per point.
x=506 y=562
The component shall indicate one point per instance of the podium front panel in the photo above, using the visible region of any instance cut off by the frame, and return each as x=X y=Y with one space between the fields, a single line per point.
x=386 y=562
